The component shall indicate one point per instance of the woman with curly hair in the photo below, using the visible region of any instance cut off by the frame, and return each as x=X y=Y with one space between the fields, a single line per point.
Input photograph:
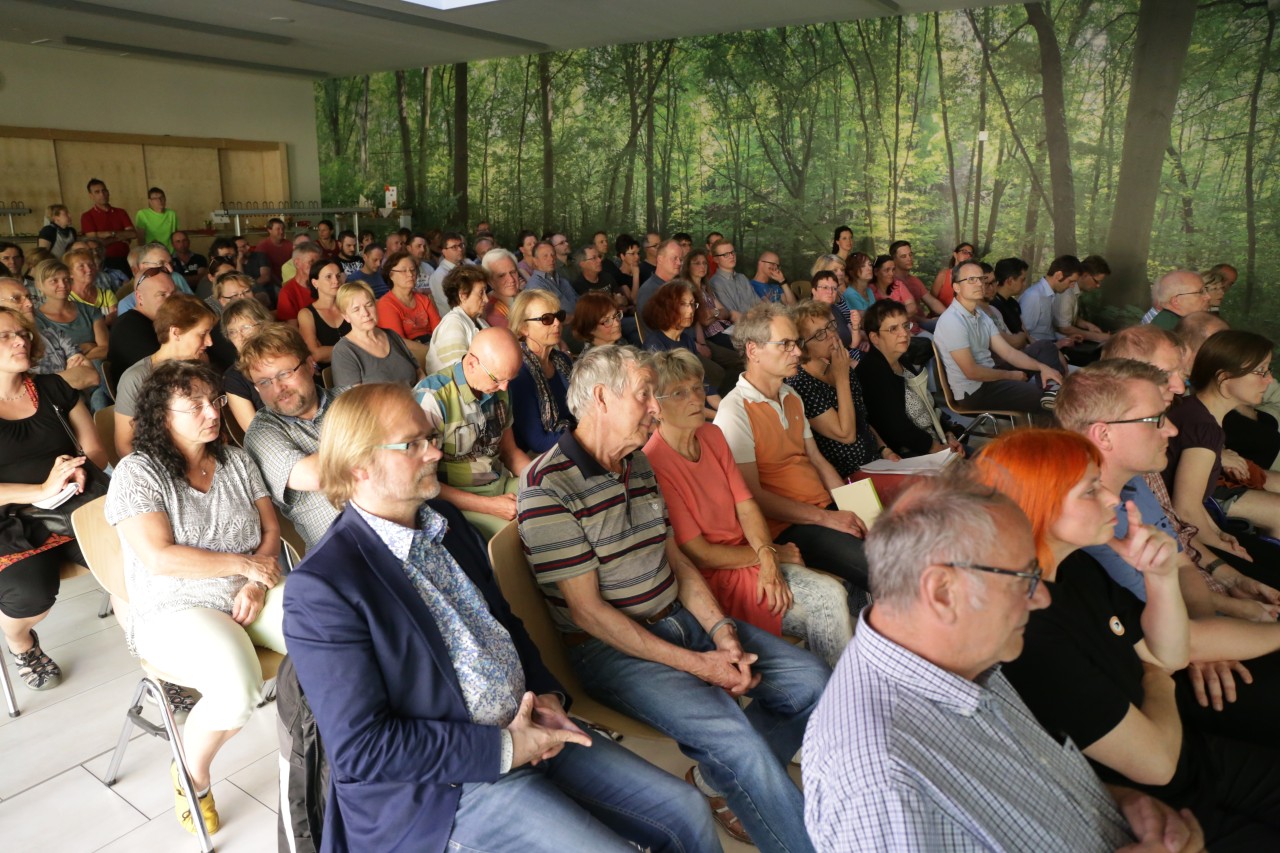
x=201 y=543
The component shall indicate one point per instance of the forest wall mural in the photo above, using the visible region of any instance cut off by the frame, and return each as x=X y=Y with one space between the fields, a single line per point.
x=1144 y=130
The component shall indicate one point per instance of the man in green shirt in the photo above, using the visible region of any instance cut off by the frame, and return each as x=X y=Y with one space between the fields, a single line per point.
x=156 y=223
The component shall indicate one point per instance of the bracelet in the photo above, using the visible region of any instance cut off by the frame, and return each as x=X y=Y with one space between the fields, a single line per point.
x=716 y=627
x=260 y=585
x=767 y=548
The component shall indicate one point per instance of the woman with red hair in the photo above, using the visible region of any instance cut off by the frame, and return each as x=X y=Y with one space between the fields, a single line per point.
x=1097 y=663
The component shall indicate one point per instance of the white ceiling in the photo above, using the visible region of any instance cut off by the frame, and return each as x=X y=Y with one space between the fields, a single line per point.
x=320 y=38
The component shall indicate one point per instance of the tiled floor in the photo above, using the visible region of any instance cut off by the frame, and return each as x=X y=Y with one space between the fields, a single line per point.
x=53 y=756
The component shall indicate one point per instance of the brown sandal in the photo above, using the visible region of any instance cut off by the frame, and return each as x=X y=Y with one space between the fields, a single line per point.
x=722 y=813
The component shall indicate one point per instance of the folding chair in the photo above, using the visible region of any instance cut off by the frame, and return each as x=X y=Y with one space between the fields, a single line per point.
x=944 y=385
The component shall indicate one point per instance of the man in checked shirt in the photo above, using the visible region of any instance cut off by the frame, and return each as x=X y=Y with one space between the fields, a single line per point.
x=920 y=743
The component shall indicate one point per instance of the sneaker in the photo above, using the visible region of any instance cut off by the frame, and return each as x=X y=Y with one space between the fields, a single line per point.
x=208 y=810
x=36 y=668
x=1049 y=399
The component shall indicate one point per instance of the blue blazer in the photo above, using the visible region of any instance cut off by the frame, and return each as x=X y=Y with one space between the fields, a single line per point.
x=375 y=669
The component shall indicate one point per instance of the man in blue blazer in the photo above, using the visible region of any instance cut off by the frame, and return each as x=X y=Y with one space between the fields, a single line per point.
x=438 y=718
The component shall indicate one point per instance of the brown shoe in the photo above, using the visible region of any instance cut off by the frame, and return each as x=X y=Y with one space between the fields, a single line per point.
x=722 y=813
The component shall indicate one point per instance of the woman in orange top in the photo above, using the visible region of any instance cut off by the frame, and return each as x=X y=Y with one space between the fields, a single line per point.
x=412 y=316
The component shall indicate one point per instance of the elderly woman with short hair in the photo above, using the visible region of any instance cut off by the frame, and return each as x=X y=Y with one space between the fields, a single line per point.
x=720 y=528
x=200 y=542
x=538 y=393
x=465 y=289
x=504 y=281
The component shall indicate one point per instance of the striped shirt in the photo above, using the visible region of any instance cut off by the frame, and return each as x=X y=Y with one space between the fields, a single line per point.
x=471 y=426
x=577 y=517
x=903 y=755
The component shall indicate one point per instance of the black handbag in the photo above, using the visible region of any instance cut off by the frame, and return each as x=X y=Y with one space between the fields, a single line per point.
x=58 y=519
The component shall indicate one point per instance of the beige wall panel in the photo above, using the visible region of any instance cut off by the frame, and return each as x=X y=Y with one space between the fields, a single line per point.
x=119 y=165
x=189 y=178
x=242 y=177
x=30 y=176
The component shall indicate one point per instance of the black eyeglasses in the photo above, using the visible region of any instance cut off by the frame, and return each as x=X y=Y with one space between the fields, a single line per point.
x=1156 y=420
x=821 y=334
x=548 y=319
x=1033 y=574
x=414 y=447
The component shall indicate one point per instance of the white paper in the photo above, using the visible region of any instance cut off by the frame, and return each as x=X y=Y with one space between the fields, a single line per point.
x=928 y=464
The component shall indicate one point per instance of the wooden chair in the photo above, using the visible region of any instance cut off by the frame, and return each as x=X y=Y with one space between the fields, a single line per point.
x=100 y=545
x=326 y=377
x=944 y=385
x=802 y=289
x=105 y=370
x=65 y=572
x=105 y=421
x=515 y=579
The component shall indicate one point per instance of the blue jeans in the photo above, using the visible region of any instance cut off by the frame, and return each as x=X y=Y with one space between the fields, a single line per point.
x=599 y=799
x=742 y=754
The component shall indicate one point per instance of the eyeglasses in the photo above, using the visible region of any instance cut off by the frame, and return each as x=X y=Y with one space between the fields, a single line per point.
x=1157 y=420
x=896 y=327
x=18 y=299
x=549 y=318
x=198 y=409
x=1199 y=292
x=726 y=254
x=1033 y=574
x=487 y=372
x=683 y=394
x=452 y=246
x=787 y=345
x=242 y=331
x=689 y=303
x=1262 y=371
x=412 y=447
x=5 y=337
x=821 y=334
x=967 y=279
x=404 y=271
x=825 y=287
x=282 y=376
x=610 y=319
x=227 y=297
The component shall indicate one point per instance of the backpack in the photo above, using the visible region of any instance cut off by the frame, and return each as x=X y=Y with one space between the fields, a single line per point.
x=304 y=769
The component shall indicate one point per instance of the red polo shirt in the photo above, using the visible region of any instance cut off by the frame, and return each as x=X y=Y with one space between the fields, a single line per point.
x=111 y=219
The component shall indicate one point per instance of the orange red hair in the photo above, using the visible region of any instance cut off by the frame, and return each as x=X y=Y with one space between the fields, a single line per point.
x=1036 y=468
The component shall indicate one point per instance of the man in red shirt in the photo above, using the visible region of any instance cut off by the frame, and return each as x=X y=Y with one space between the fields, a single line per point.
x=926 y=304
x=109 y=224
x=297 y=293
x=276 y=249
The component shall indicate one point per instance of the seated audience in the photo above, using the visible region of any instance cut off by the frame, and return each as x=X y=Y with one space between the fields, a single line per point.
x=1097 y=661
x=60 y=355
x=133 y=337
x=466 y=293
x=370 y=271
x=38 y=458
x=770 y=284
x=200 y=543
x=232 y=286
x=598 y=321
x=83 y=264
x=1218 y=281
x=719 y=526
x=349 y=254
x=969 y=344
x=1037 y=301
x=182 y=327
x=643 y=632
x=711 y=318
x=544 y=277
x=1011 y=281
x=410 y=314
x=401 y=599
x=453 y=252
x=285 y=433
x=79 y=323
x=58 y=235
x=899 y=406
x=241 y=320
x=141 y=259
x=859 y=292
x=468 y=406
x=825 y=289
x=828 y=385
x=773 y=445
x=669 y=317
x=942 y=288
x=1177 y=294
x=919 y=701
x=368 y=353
x=1066 y=305
x=732 y=288
x=506 y=283
x=322 y=323
x=298 y=291
x=538 y=393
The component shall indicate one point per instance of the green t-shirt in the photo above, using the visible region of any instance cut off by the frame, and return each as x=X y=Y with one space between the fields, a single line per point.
x=157 y=227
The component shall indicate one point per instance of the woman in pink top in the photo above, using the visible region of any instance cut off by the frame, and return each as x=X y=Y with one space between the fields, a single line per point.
x=719 y=526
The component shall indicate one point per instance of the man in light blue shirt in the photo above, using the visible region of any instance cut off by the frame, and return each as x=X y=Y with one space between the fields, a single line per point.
x=1037 y=301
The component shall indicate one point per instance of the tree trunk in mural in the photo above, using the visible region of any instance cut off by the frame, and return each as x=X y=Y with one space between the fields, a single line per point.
x=548 y=152
x=461 y=188
x=1164 y=35
x=409 y=197
x=1055 y=124
x=362 y=117
x=1250 y=191
x=946 y=132
x=424 y=129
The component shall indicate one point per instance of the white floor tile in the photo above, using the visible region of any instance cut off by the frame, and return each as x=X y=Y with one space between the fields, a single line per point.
x=87 y=662
x=247 y=827
x=73 y=617
x=261 y=780
x=69 y=813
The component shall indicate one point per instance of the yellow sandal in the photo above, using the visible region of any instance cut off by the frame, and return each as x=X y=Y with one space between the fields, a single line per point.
x=208 y=809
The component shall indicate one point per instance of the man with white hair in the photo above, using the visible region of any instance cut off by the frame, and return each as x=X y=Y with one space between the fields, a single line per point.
x=1178 y=294
x=296 y=293
x=920 y=742
x=643 y=631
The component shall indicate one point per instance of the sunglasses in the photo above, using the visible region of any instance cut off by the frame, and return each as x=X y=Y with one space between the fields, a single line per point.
x=548 y=319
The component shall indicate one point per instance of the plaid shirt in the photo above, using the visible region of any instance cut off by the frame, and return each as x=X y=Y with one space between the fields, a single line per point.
x=903 y=755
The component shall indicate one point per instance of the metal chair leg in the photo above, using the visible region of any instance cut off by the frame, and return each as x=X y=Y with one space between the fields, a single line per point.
x=6 y=683
x=104 y=609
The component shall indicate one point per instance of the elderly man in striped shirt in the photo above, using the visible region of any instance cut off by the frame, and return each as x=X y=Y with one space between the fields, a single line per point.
x=920 y=742
x=644 y=633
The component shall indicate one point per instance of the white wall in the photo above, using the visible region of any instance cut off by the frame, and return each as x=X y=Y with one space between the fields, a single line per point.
x=74 y=90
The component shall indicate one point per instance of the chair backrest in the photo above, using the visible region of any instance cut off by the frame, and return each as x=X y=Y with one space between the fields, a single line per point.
x=107 y=380
x=289 y=534
x=100 y=545
x=326 y=377
x=944 y=385
x=802 y=289
x=515 y=580
x=105 y=421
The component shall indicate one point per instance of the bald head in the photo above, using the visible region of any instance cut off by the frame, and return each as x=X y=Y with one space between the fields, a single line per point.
x=152 y=290
x=1182 y=292
x=1198 y=327
x=492 y=360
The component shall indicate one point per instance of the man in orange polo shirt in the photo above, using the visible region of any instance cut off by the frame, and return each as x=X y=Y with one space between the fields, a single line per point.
x=763 y=421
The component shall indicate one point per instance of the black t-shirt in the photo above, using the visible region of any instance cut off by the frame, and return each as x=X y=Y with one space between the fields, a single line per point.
x=1079 y=671
x=1010 y=310
x=234 y=382
x=581 y=285
x=28 y=446
x=1196 y=429
x=1258 y=441
x=191 y=268
x=132 y=338
x=223 y=353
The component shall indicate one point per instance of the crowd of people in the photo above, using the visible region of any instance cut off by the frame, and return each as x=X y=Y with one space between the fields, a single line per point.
x=1072 y=641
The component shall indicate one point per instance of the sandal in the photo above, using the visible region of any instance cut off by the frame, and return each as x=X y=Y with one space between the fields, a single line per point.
x=208 y=809
x=181 y=700
x=722 y=813
x=36 y=668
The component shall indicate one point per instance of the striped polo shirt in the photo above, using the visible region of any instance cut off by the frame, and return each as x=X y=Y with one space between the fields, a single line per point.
x=577 y=517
